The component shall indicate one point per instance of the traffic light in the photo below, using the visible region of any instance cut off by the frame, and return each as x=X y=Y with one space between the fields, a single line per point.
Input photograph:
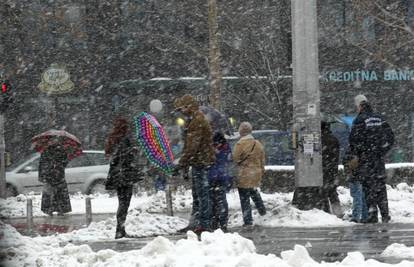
x=6 y=98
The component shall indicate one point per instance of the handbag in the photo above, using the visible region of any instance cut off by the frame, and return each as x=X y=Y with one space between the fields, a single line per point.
x=121 y=175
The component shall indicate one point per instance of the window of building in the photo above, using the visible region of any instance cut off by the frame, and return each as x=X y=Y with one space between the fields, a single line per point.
x=368 y=28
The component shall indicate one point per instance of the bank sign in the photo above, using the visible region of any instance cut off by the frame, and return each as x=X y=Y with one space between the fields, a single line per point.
x=369 y=75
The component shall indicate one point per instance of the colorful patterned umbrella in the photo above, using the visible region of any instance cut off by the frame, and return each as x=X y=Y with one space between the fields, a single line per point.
x=152 y=139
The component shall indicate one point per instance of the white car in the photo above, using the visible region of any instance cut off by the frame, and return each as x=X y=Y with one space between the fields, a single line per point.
x=86 y=174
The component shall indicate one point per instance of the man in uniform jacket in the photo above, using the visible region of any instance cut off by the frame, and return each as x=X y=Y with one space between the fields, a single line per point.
x=198 y=153
x=370 y=139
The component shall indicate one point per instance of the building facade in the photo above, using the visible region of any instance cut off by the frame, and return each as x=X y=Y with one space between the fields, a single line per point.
x=121 y=52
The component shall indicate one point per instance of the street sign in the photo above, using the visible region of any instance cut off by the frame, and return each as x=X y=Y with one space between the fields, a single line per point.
x=56 y=80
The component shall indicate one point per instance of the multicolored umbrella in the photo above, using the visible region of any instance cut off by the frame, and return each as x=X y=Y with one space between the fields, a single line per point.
x=70 y=143
x=153 y=140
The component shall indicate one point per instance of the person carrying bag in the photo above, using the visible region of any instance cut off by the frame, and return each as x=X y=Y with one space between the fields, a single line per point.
x=126 y=167
x=249 y=157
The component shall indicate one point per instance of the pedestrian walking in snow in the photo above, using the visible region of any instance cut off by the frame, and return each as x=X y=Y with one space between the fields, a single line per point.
x=330 y=161
x=199 y=154
x=55 y=195
x=370 y=139
x=218 y=179
x=126 y=167
x=193 y=223
x=249 y=157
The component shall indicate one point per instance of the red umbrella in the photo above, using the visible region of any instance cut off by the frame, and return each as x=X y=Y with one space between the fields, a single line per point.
x=70 y=143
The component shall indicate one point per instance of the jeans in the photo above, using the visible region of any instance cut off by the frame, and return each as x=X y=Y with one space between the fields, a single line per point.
x=201 y=186
x=159 y=182
x=219 y=205
x=245 y=194
x=359 y=206
x=194 y=222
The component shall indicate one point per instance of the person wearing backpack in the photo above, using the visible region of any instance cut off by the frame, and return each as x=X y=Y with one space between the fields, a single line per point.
x=218 y=180
x=127 y=166
x=370 y=139
x=249 y=156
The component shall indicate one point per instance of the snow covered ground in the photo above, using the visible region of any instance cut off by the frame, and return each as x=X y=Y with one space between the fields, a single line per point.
x=214 y=249
x=280 y=211
x=146 y=218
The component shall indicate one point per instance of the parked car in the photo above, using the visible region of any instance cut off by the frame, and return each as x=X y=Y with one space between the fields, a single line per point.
x=277 y=144
x=86 y=174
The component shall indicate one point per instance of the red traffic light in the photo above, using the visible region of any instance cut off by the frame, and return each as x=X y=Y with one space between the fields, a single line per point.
x=3 y=87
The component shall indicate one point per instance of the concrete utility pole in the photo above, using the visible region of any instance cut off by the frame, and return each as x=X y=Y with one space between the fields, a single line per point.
x=306 y=103
x=2 y=160
x=214 y=55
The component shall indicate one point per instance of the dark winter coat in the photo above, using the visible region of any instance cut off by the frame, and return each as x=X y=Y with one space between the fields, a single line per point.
x=219 y=170
x=52 y=165
x=127 y=165
x=330 y=158
x=370 y=139
x=55 y=195
x=198 y=145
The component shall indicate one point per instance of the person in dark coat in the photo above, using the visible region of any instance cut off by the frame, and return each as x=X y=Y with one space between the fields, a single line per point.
x=330 y=161
x=123 y=172
x=218 y=180
x=55 y=195
x=370 y=139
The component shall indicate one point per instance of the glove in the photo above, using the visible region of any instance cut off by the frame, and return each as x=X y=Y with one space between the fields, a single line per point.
x=353 y=164
x=186 y=175
x=176 y=171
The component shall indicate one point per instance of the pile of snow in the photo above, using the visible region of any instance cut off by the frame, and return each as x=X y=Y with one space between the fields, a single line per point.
x=280 y=210
x=18 y=250
x=138 y=224
x=399 y=251
x=214 y=249
x=13 y=207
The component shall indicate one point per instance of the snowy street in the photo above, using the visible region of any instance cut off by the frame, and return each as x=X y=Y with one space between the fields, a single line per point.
x=206 y=133
x=325 y=237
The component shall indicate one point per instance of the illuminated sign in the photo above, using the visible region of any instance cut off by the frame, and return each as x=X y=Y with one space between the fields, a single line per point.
x=56 y=80
x=369 y=75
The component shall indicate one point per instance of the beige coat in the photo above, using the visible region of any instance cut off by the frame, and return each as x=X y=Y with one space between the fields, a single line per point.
x=250 y=162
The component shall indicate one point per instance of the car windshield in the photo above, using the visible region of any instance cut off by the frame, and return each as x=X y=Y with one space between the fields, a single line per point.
x=16 y=164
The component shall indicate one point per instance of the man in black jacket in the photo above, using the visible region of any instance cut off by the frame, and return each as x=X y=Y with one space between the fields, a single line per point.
x=370 y=139
x=330 y=161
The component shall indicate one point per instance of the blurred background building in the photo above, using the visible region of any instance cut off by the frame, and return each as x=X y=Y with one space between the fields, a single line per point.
x=128 y=52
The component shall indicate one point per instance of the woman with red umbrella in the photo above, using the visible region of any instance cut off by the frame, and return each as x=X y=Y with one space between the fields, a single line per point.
x=56 y=148
x=55 y=195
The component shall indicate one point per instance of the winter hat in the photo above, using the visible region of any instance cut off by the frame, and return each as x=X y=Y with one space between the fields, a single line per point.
x=359 y=99
x=186 y=101
x=177 y=103
x=245 y=128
